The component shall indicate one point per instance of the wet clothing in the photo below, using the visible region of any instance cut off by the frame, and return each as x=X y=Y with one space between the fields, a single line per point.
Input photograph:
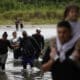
x=3 y=59
x=4 y=44
x=28 y=51
x=39 y=40
x=16 y=51
x=66 y=70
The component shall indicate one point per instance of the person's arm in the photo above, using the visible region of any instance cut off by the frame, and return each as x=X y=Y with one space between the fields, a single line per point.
x=49 y=59
x=76 y=54
x=9 y=45
x=15 y=46
x=47 y=66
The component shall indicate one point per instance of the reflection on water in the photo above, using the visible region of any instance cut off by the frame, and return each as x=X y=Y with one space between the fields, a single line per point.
x=15 y=72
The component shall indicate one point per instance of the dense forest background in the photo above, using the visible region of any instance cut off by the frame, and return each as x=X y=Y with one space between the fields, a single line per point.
x=33 y=11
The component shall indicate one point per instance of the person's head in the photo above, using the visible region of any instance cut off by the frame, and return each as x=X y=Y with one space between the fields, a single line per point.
x=38 y=30
x=14 y=34
x=24 y=34
x=5 y=35
x=64 y=31
x=71 y=13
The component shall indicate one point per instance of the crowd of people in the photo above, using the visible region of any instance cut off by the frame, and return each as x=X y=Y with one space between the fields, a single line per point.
x=62 y=56
x=27 y=48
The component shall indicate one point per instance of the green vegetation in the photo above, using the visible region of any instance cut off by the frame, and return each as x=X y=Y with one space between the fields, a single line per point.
x=33 y=11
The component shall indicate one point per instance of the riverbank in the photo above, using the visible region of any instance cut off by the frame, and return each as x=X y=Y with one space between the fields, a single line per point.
x=34 y=15
x=31 y=21
x=29 y=26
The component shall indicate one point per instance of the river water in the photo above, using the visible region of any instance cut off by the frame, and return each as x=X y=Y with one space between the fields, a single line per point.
x=15 y=72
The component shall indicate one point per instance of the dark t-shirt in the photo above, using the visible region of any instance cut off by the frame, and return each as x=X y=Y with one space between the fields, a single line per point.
x=27 y=46
x=4 y=44
x=39 y=40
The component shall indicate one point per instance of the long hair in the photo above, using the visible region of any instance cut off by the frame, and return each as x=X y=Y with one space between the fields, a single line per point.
x=68 y=9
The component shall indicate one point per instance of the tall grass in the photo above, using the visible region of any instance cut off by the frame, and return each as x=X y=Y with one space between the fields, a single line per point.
x=31 y=11
x=34 y=15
